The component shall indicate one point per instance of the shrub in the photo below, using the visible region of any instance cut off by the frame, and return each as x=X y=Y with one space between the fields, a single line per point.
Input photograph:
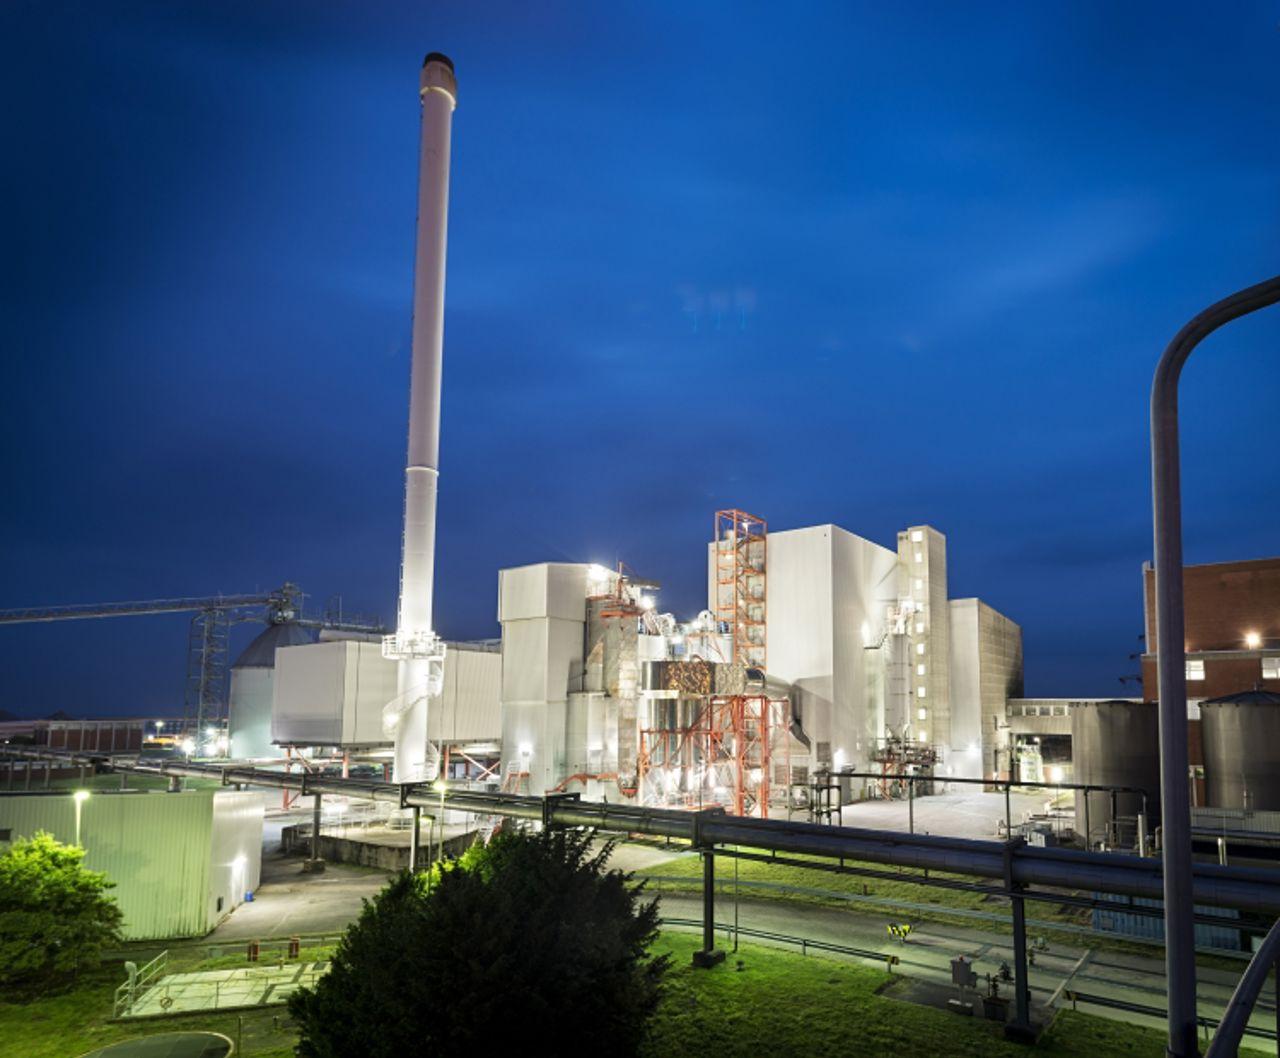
x=528 y=939
x=55 y=916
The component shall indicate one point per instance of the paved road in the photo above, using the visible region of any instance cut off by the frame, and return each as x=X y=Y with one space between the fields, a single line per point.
x=288 y=902
x=928 y=953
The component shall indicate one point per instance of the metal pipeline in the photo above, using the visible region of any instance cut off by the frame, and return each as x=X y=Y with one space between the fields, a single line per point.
x=1245 y=889
x=1175 y=800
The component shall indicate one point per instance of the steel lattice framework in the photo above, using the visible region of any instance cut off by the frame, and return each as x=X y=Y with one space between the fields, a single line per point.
x=740 y=545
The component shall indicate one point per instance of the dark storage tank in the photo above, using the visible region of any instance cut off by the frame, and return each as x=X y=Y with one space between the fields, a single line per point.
x=1115 y=743
x=1241 y=735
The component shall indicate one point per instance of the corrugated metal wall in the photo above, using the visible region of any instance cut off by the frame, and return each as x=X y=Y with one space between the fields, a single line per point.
x=469 y=707
x=235 y=857
x=1224 y=937
x=154 y=846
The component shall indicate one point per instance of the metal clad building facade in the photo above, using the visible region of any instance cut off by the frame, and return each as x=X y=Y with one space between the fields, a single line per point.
x=180 y=862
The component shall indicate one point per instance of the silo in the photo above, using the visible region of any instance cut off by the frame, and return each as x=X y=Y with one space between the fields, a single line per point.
x=1115 y=743
x=252 y=685
x=1241 y=735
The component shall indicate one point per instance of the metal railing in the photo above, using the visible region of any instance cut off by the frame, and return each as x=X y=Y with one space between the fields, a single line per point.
x=138 y=982
x=237 y=992
x=805 y=944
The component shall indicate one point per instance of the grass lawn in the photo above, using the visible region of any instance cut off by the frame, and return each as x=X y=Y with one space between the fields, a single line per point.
x=689 y=868
x=781 y=1003
x=777 y=1002
x=76 y=1021
x=112 y=782
x=684 y=874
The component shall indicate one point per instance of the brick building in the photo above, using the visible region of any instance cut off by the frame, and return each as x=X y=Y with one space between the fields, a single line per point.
x=1232 y=618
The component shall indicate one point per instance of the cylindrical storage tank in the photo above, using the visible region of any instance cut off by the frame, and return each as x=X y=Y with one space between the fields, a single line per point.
x=253 y=688
x=1241 y=734
x=1115 y=743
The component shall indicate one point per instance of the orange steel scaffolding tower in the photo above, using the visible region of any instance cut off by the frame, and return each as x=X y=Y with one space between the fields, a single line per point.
x=741 y=550
x=725 y=757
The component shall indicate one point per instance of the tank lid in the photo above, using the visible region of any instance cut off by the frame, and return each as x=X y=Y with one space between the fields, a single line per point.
x=261 y=653
x=1255 y=697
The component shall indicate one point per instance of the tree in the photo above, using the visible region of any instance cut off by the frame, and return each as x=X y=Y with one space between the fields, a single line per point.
x=529 y=938
x=55 y=916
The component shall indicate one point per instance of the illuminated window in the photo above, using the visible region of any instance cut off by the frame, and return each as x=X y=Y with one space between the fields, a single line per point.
x=920 y=692
x=917 y=535
x=923 y=737
x=922 y=714
x=919 y=648
x=1195 y=668
x=919 y=628
x=920 y=669
x=919 y=584
x=919 y=556
x=1271 y=668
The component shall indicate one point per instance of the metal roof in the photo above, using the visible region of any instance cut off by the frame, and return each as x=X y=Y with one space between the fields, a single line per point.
x=261 y=653
x=1256 y=697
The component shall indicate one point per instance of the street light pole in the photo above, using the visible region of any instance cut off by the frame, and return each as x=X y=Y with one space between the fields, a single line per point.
x=80 y=796
x=1175 y=805
x=442 y=787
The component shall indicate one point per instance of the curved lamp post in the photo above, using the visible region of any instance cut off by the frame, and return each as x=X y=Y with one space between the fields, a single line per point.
x=1175 y=805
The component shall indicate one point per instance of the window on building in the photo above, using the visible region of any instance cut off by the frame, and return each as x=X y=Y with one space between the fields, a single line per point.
x=917 y=535
x=920 y=669
x=1271 y=668
x=919 y=648
x=920 y=692
x=919 y=628
x=919 y=584
x=1195 y=668
x=922 y=714
x=919 y=556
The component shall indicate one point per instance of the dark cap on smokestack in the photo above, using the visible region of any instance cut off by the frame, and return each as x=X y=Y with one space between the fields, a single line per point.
x=436 y=56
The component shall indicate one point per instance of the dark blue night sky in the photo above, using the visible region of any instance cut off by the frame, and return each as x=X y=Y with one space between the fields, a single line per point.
x=865 y=264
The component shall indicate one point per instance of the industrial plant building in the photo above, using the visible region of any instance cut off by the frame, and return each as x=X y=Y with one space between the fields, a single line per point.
x=819 y=652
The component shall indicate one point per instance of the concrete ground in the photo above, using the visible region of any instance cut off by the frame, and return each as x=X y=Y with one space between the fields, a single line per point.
x=966 y=813
x=289 y=902
x=224 y=989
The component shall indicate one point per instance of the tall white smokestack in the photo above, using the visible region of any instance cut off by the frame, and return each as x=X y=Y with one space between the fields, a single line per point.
x=415 y=646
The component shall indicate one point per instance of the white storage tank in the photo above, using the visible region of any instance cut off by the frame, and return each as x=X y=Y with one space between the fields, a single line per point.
x=252 y=689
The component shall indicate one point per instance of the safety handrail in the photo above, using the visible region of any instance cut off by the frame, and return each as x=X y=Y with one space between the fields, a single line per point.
x=1235 y=1019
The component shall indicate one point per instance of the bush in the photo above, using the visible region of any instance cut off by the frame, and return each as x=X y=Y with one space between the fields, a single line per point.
x=529 y=939
x=55 y=916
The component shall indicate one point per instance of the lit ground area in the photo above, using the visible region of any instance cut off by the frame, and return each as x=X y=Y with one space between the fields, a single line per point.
x=224 y=989
x=775 y=1002
x=289 y=902
x=967 y=813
